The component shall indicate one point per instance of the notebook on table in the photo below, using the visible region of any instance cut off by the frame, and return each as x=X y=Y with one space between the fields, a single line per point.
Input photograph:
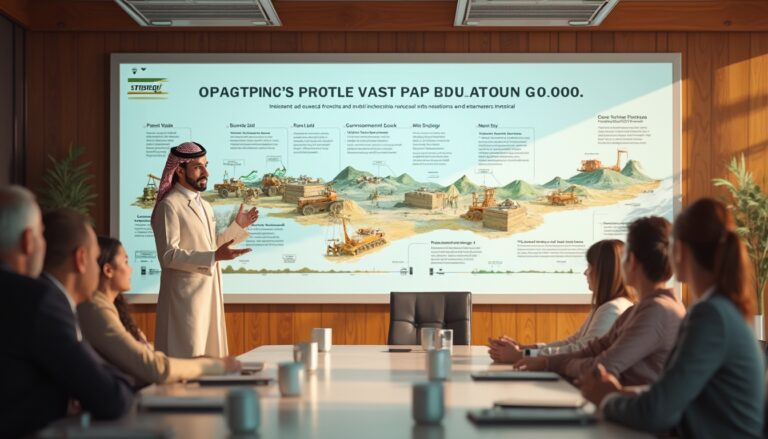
x=557 y=401
x=248 y=375
x=515 y=375
x=232 y=380
x=108 y=432
x=252 y=366
x=181 y=403
x=531 y=416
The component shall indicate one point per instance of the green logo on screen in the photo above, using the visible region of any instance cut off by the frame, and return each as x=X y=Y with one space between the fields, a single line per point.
x=147 y=88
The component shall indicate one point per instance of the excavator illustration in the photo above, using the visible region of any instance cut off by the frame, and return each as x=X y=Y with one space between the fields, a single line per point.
x=563 y=197
x=366 y=239
x=594 y=165
x=273 y=184
x=475 y=211
x=229 y=186
x=327 y=201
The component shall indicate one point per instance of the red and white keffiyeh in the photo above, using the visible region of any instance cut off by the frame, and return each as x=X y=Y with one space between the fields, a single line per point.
x=178 y=155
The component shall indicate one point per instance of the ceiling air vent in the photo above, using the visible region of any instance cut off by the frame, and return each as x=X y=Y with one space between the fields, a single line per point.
x=532 y=13
x=203 y=13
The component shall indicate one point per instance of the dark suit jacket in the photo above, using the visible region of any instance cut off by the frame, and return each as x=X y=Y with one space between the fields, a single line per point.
x=43 y=365
x=712 y=385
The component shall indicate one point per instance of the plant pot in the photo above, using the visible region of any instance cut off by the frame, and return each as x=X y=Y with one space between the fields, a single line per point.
x=759 y=327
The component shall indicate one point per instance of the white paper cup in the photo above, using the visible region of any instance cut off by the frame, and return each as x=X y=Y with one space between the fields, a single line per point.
x=324 y=338
x=306 y=352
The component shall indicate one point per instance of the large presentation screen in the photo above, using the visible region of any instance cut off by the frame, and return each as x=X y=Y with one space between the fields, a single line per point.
x=376 y=173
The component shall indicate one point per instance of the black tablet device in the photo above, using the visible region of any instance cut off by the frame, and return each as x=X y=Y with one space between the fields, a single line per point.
x=548 y=416
x=515 y=375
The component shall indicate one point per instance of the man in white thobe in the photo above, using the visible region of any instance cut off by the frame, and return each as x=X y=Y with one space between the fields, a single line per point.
x=190 y=306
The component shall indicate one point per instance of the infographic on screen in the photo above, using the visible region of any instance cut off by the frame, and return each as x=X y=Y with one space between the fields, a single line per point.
x=493 y=177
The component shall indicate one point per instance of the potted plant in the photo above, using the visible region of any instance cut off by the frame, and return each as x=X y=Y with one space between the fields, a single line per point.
x=67 y=183
x=749 y=205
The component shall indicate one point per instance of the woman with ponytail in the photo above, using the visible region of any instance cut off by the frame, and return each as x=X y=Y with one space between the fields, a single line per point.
x=108 y=326
x=712 y=385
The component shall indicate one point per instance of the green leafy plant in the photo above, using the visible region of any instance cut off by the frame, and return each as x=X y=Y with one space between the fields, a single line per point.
x=749 y=205
x=67 y=183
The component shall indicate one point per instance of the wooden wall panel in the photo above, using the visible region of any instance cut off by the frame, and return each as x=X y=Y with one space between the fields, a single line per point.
x=525 y=324
x=377 y=323
x=482 y=324
x=256 y=325
x=281 y=325
x=545 y=322
x=306 y=317
x=334 y=317
x=758 y=107
x=699 y=155
x=730 y=100
x=355 y=321
x=725 y=111
x=387 y=42
x=503 y=321
x=235 y=327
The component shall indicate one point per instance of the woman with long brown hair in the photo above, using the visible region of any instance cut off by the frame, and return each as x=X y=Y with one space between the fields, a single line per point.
x=108 y=326
x=639 y=342
x=610 y=298
x=712 y=385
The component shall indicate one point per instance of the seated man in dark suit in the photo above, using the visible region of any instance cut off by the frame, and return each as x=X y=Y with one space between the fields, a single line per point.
x=43 y=363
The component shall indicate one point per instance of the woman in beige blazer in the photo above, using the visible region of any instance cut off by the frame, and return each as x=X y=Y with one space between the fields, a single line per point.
x=108 y=326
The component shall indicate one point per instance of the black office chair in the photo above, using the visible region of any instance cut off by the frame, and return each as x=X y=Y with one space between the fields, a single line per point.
x=409 y=312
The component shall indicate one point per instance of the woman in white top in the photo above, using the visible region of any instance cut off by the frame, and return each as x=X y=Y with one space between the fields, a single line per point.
x=610 y=298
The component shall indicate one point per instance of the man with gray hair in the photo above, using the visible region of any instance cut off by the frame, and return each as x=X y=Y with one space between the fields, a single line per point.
x=22 y=247
x=43 y=364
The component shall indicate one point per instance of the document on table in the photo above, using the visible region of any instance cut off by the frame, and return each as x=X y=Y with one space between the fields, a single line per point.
x=168 y=402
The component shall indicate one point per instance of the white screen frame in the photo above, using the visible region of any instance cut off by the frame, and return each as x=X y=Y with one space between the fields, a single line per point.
x=674 y=59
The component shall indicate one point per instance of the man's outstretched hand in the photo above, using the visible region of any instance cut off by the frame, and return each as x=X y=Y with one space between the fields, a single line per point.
x=224 y=253
x=245 y=219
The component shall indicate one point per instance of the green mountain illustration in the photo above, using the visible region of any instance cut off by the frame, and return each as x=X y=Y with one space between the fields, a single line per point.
x=519 y=190
x=465 y=185
x=602 y=179
x=350 y=174
x=633 y=170
x=557 y=183
x=406 y=180
x=579 y=190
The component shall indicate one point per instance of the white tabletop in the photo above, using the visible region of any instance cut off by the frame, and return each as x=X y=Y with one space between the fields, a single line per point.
x=365 y=392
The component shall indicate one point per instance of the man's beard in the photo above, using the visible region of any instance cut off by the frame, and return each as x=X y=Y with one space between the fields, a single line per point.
x=197 y=184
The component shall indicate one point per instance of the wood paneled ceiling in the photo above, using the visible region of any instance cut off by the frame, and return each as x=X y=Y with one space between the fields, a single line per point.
x=396 y=15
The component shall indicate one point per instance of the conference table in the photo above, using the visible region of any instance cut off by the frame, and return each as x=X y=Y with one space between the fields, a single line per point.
x=365 y=392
